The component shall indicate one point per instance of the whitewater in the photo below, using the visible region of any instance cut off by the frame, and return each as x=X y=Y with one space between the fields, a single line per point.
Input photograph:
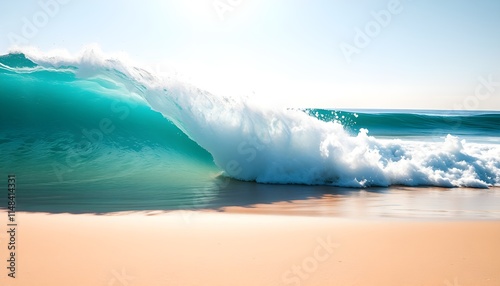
x=48 y=102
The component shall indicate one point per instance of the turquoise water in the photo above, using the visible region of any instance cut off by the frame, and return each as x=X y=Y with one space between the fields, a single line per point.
x=418 y=123
x=100 y=135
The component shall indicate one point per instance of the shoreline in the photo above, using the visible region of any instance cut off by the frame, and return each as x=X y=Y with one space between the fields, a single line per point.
x=246 y=197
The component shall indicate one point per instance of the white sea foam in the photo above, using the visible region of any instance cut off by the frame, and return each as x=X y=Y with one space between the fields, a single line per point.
x=269 y=145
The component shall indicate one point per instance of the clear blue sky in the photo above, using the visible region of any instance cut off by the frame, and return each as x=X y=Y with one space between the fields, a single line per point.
x=430 y=54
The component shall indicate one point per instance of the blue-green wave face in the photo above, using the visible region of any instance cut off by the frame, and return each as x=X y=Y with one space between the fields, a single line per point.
x=60 y=133
x=93 y=127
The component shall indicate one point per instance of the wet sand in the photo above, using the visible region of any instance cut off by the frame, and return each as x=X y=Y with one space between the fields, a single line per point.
x=423 y=203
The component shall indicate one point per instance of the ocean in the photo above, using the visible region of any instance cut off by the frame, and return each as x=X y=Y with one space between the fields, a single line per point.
x=94 y=134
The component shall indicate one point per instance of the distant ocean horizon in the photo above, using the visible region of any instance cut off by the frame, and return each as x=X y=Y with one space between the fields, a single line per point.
x=92 y=130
